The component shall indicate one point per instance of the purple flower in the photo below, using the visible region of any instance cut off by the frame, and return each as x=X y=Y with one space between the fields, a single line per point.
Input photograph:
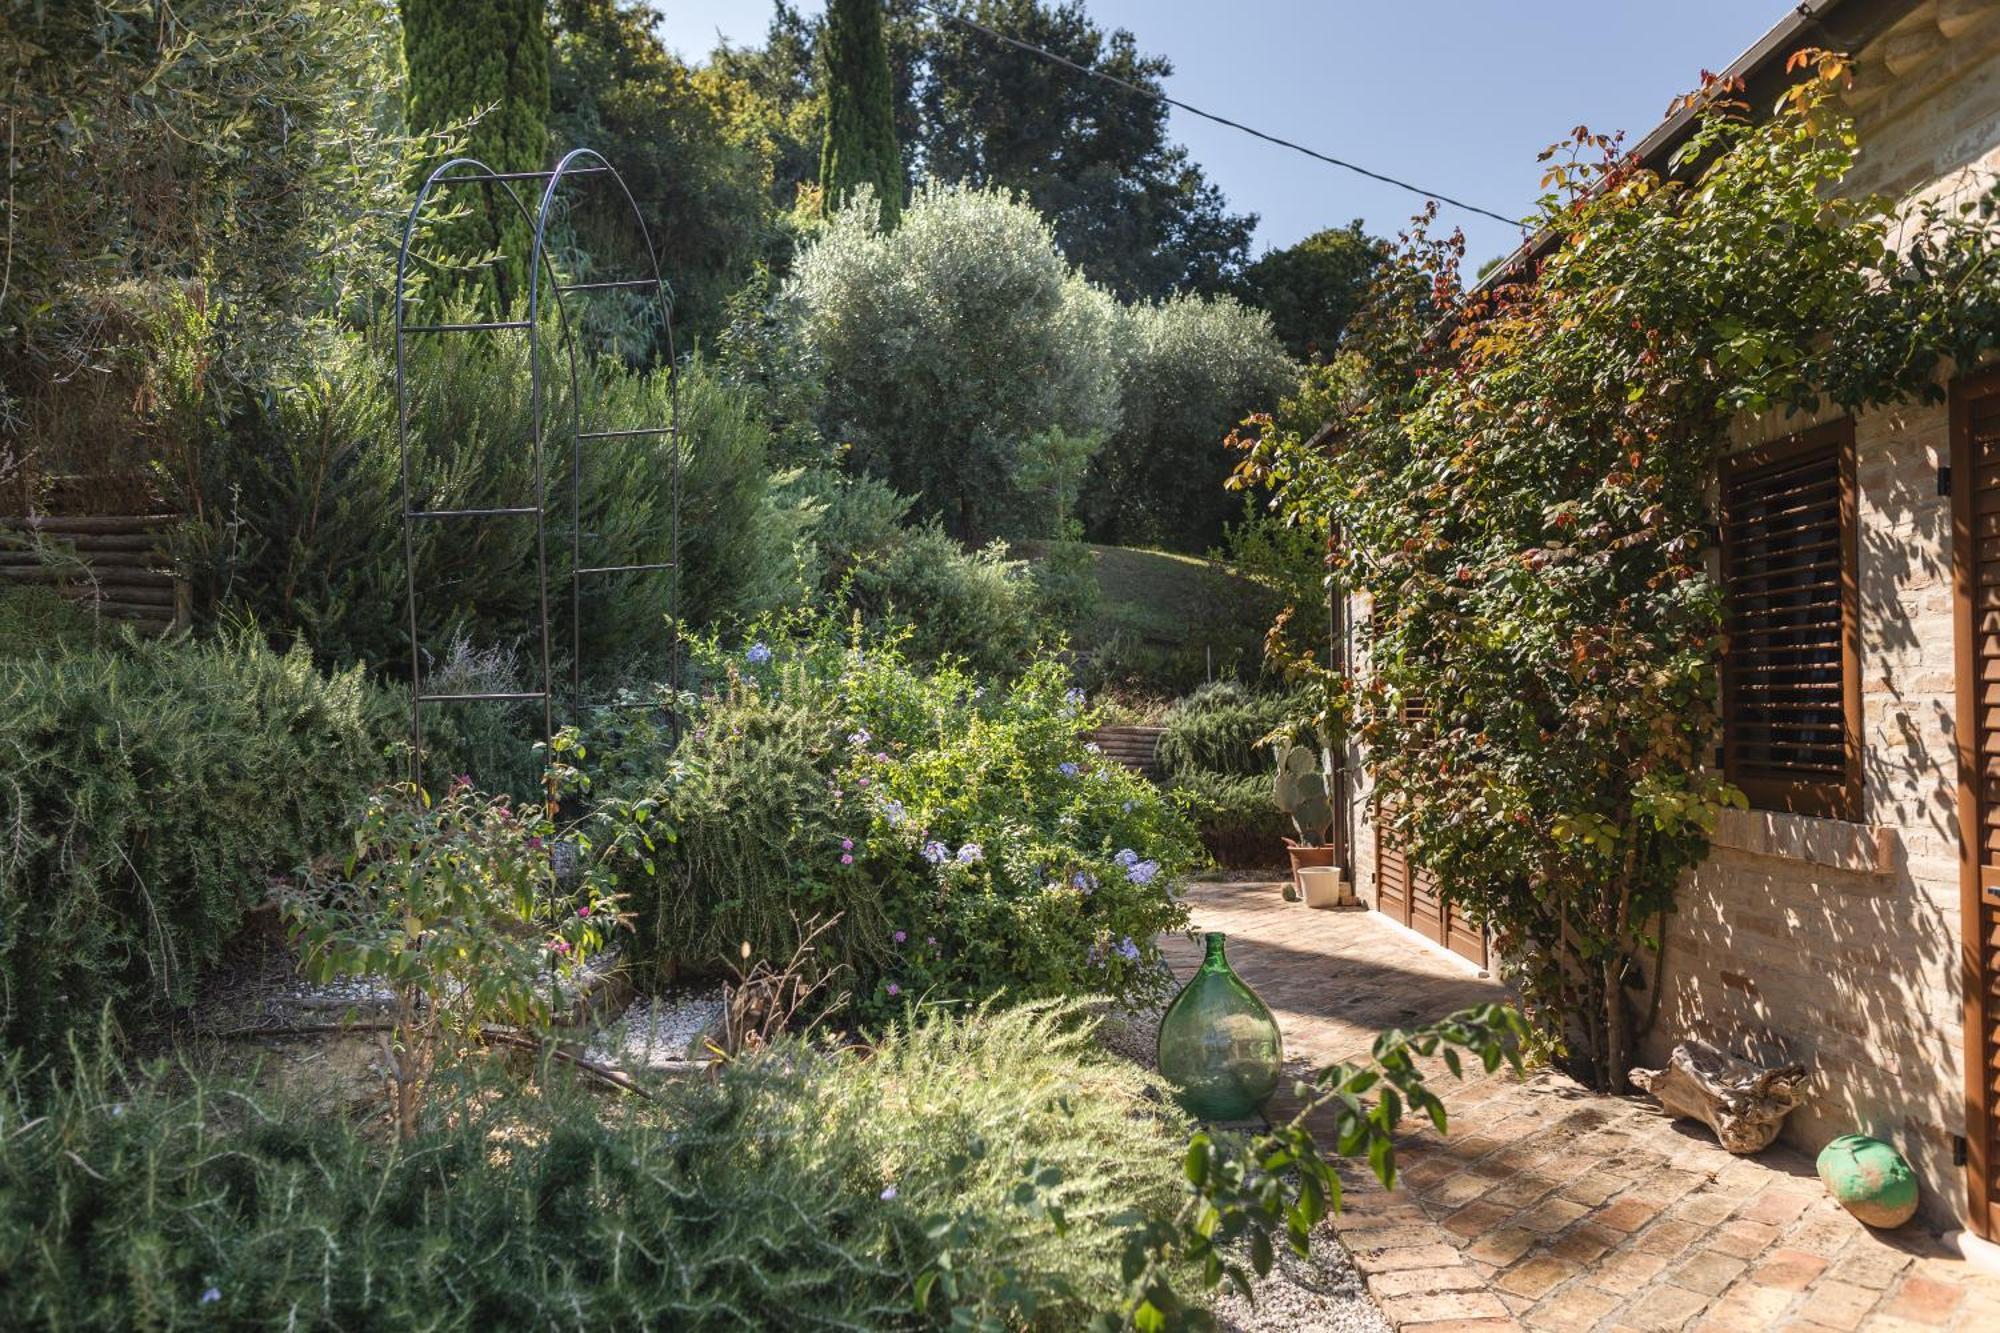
x=936 y=852
x=859 y=738
x=211 y=1296
x=1068 y=769
x=893 y=812
x=931 y=940
x=1142 y=872
x=1128 y=950
x=534 y=844
x=894 y=989
x=583 y=910
x=847 y=844
x=971 y=852
x=847 y=858
x=1126 y=857
x=863 y=781
x=889 y=1192
x=1084 y=880
x=758 y=654
x=1073 y=697
x=900 y=936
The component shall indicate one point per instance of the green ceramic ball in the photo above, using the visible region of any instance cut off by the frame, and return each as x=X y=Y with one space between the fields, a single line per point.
x=1869 y=1179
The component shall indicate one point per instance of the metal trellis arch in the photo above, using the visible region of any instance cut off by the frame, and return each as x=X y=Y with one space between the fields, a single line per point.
x=584 y=163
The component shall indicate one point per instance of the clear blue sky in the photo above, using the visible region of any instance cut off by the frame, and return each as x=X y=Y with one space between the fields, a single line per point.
x=1457 y=95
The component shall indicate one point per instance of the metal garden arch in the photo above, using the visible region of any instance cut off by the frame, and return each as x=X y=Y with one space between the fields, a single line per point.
x=577 y=163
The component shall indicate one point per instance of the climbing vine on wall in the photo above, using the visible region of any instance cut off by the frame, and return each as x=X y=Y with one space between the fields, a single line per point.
x=1521 y=488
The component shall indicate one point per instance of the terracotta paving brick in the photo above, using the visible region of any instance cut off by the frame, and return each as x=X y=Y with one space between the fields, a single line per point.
x=1409 y=1256
x=1550 y=1216
x=1536 y=1276
x=1709 y=1271
x=1626 y=1214
x=1446 y=1307
x=1923 y=1300
x=1839 y=1304
x=1572 y=1310
x=1584 y=1243
x=1626 y=1271
x=1476 y=1219
x=1423 y=1281
x=1744 y=1238
x=1665 y=1307
x=1502 y=1247
x=1553 y=1209
x=1669 y=1237
x=1794 y=1270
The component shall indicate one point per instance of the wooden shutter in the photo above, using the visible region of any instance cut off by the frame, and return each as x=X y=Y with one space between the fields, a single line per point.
x=1975 y=430
x=1791 y=675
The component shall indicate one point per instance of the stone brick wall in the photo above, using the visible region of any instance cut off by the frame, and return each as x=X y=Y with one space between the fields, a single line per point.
x=1840 y=945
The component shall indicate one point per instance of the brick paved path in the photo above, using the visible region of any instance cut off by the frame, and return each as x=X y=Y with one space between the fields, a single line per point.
x=1548 y=1207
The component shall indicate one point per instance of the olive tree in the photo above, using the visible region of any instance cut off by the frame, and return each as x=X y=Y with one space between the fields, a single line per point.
x=950 y=352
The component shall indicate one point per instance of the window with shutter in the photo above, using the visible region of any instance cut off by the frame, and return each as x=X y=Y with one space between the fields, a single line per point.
x=1791 y=688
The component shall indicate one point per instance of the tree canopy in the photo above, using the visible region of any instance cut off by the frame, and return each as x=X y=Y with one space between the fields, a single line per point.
x=1314 y=287
x=860 y=146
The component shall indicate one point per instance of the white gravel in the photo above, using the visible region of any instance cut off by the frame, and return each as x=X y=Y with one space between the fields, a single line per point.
x=658 y=1031
x=1322 y=1294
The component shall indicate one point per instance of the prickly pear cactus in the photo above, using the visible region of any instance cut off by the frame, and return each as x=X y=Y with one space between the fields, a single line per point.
x=1300 y=791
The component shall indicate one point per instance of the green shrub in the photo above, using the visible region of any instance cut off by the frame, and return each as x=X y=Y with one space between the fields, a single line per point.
x=975 y=605
x=147 y=795
x=800 y=1189
x=35 y=622
x=1235 y=816
x=298 y=497
x=1216 y=729
x=972 y=840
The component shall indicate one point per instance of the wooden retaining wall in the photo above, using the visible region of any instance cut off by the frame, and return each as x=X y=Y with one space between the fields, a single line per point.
x=1138 y=748
x=111 y=563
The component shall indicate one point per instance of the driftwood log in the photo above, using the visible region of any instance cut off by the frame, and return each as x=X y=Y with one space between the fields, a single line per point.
x=1744 y=1103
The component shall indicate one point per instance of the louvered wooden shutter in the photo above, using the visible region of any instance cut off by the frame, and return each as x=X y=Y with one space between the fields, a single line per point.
x=1791 y=696
x=1976 y=569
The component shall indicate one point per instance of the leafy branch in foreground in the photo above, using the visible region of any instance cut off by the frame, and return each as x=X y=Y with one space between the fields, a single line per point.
x=1246 y=1191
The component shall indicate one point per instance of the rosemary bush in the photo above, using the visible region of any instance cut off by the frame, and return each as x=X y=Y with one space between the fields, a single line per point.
x=802 y=1189
x=147 y=794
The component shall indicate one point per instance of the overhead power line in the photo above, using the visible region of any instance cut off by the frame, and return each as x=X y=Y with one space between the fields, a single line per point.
x=1158 y=96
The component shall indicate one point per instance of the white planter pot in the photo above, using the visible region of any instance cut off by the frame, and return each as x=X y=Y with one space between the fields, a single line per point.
x=1324 y=887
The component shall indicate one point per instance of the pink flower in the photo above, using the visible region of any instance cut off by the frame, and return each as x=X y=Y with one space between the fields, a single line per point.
x=583 y=910
x=847 y=844
x=894 y=989
x=847 y=858
x=560 y=946
x=899 y=937
x=864 y=780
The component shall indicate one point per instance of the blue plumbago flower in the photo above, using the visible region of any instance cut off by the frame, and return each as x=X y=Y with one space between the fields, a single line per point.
x=888 y=1193
x=211 y=1296
x=1092 y=747
x=1128 y=950
x=1142 y=872
x=894 y=813
x=758 y=655
x=1068 y=769
x=859 y=738
x=936 y=852
x=1125 y=807
x=971 y=852
x=1084 y=880
x=1126 y=857
x=1073 y=697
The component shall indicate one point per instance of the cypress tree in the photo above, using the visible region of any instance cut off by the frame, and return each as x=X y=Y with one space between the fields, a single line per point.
x=465 y=56
x=860 y=109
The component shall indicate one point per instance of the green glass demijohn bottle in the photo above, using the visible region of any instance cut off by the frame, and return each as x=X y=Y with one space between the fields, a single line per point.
x=1219 y=1046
